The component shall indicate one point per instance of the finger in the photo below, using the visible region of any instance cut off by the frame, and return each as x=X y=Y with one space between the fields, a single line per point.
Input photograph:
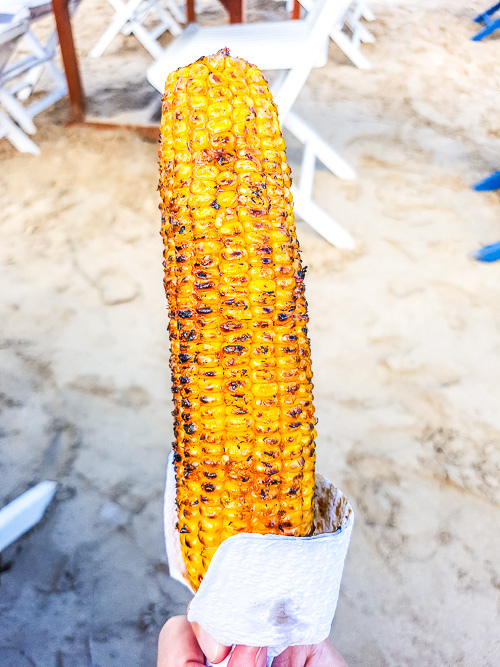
x=177 y=645
x=294 y=656
x=323 y=654
x=214 y=650
x=248 y=656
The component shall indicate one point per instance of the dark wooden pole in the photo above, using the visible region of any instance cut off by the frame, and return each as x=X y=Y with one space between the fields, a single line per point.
x=70 y=60
x=235 y=10
x=190 y=13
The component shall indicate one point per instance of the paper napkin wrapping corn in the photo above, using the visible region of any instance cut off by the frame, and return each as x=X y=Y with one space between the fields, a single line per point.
x=269 y=590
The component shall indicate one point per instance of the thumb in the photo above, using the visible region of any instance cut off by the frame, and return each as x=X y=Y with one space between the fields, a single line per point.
x=214 y=650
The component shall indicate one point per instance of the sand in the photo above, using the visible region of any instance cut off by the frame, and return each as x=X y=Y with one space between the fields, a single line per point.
x=405 y=335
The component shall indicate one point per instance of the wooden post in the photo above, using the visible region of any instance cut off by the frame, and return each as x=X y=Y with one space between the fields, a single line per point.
x=235 y=10
x=70 y=60
x=190 y=12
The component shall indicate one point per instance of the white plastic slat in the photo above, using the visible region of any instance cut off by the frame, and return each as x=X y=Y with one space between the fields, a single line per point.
x=320 y=221
x=275 y=46
x=24 y=512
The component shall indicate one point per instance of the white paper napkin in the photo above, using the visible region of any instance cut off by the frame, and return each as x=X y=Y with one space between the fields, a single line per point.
x=269 y=590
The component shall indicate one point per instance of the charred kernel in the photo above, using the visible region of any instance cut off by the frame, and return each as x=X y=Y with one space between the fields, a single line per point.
x=208 y=487
x=184 y=357
x=184 y=529
x=234 y=349
x=190 y=428
x=184 y=313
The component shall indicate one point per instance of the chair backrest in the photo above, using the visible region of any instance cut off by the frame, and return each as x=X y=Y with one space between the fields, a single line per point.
x=294 y=59
x=321 y=19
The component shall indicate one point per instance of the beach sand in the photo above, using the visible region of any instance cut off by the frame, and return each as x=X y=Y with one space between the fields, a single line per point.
x=405 y=334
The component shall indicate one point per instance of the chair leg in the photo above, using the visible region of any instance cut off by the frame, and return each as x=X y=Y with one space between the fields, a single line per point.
x=480 y=17
x=494 y=25
x=47 y=101
x=366 y=12
x=363 y=33
x=175 y=10
x=307 y=169
x=16 y=110
x=150 y=44
x=315 y=147
x=353 y=53
x=122 y=16
x=323 y=152
x=16 y=136
x=326 y=226
x=34 y=74
x=24 y=512
x=488 y=184
x=167 y=22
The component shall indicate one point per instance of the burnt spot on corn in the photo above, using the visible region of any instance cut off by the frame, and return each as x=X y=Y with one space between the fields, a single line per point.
x=234 y=349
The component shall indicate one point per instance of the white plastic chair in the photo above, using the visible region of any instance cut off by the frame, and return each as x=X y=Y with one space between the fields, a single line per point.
x=129 y=19
x=10 y=34
x=294 y=47
x=19 y=75
x=349 y=32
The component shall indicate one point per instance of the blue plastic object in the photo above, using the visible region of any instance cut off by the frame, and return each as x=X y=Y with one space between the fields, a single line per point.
x=491 y=182
x=490 y=24
x=490 y=253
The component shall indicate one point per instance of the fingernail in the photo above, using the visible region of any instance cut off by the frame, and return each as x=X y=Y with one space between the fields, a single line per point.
x=211 y=647
x=261 y=658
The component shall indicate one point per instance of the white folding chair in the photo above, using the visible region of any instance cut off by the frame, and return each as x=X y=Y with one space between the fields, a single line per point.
x=19 y=73
x=10 y=34
x=294 y=47
x=129 y=19
x=349 y=32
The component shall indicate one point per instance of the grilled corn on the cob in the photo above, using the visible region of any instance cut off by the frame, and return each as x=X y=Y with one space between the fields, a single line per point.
x=240 y=357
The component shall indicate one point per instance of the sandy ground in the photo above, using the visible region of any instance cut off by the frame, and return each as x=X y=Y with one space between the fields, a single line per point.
x=405 y=339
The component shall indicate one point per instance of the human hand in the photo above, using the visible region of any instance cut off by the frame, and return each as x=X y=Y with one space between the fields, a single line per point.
x=185 y=644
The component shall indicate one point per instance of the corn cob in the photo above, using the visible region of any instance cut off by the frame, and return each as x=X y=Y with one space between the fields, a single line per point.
x=240 y=357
